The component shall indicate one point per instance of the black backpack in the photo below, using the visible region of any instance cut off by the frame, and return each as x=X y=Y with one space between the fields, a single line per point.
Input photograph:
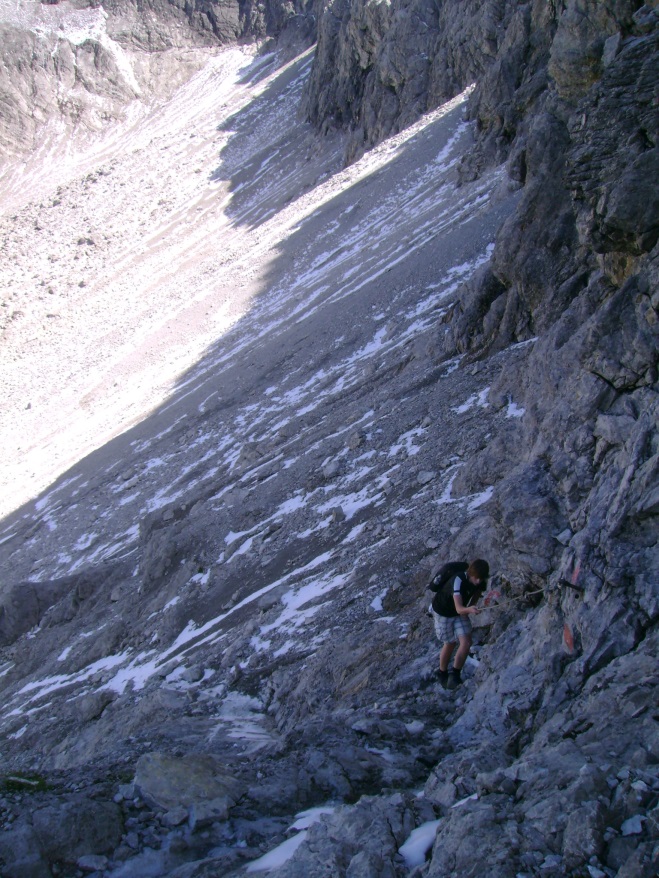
x=442 y=585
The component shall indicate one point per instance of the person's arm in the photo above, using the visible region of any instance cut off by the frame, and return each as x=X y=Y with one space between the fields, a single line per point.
x=460 y=607
x=457 y=600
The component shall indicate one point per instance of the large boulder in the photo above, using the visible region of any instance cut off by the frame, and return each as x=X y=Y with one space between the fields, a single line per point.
x=20 y=856
x=77 y=828
x=195 y=781
x=52 y=602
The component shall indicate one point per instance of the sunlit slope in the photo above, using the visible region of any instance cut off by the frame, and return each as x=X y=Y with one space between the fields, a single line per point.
x=119 y=280
x=254 y=334
x=120 y=265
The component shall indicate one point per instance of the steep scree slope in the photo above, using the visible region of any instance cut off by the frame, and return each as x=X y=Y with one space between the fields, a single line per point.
x=218 y=619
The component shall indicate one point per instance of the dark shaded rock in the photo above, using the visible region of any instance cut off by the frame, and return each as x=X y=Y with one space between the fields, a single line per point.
x=24 y=605
x=606 y=169
x=91 y=706
x=92 y=863
x=160 y=24
x=584 y=835
x=378 y=67
x=632 y=212
x=20 y=854
x=77 y=828
x=31 y=603
x=578 y=48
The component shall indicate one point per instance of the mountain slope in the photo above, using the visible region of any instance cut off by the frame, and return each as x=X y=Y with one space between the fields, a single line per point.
x=218 y=618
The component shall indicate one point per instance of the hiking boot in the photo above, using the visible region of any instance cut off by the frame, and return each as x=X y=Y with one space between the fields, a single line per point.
x=453 y=679
x=442 y=676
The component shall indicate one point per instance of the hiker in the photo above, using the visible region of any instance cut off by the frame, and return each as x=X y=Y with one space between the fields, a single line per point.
x=458 y=587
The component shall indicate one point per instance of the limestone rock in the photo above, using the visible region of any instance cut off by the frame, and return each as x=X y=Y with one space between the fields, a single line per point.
x=167 y=782
x=77 y=828
x=578 y=48
x=584 y=835
x=90 y=82
x=354 y=840
x=91 y=706
x=19 y=851
x=298 y=585
x=92 y=863
x=30 y=603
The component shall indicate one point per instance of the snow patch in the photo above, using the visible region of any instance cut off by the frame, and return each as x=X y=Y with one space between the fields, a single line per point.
x=419 y=842
x=475 y=400
x=283 y=852
x=479 y=499
x=514 y=411
x=279 y=855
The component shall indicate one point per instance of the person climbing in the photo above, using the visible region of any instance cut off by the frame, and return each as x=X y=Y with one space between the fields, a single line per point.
x=457 y=586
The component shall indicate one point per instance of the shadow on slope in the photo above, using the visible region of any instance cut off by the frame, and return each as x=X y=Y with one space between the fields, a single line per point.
x=268 y=161
x=360 y=276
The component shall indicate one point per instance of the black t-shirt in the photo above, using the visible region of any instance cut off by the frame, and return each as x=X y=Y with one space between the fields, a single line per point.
x=443 y=603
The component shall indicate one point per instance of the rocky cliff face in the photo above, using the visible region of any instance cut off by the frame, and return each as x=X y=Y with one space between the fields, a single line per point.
x=379 y=65
x=219 y=620
x=84 y=64
x=577 y=257
x=162 y=24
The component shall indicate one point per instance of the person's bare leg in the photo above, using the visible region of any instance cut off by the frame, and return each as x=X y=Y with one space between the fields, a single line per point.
x=445 y=656
x=462 y=653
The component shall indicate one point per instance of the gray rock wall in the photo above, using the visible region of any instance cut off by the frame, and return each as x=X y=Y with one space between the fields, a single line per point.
x=574 y=266
x=41 y=77
x=48 y=73
x=566 y=94
x=161 y=24
x=380 y=65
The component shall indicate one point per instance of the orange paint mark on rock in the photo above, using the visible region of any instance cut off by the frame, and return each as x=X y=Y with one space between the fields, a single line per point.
x=567 y=637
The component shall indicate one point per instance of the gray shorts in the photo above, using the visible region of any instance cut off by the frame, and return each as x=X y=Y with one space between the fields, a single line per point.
x=450 y=629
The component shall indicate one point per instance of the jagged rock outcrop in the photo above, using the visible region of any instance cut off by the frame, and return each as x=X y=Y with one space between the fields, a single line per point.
x=27 y=605
x=586 y=278
x=162 y=24
x=83 y=63
x=41 y=77
x=380 y=65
